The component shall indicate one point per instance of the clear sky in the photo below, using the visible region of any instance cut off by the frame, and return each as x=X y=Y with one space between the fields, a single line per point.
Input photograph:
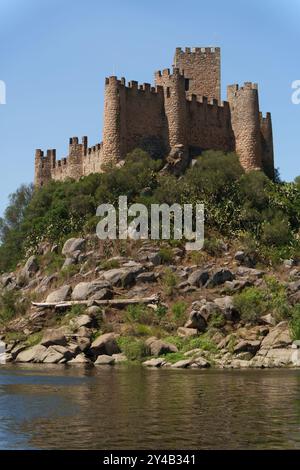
x=54 y=56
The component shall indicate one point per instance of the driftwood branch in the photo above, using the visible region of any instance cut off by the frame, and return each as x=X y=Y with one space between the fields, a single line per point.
x=111 y=302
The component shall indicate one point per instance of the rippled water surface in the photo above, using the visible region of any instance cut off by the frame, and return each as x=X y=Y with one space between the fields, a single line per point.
x=133 y=408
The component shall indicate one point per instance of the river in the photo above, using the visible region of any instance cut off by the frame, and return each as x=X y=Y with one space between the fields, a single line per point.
x=130 y=407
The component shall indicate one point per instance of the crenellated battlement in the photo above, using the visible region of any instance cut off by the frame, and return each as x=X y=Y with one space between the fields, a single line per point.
x=183 y=108
x=197 y=50
x=133 y=85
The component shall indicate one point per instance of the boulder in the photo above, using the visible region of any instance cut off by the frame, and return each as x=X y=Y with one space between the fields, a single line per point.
x=80 y=359
x=196 y=321
x=68 y=262
x=244 y=271
x=295 y=298
x=52 y=356
x=83 y=343
x=247 y=346
x=187 y=332
x=183 y=364
x=59 y=295
x=154 y=362
x=148 y=276
x=268 y=319
x=120 y=357
x=54 y=336
x=220 y=276
x=200 y=363
x=198 y=278
x=104 y=360
x=30 y=268
x=84 y=332
x=72 y=245
x=83 y=320
x=96 y=290
x=293 y=287
x=154 y=258
x=15 y=350
x=280 y=356
x=94 y=311
x=34 y=354
x=278 y=337
x=158 y=347
x=225 y=304
x=122 y=276
x=105 y=344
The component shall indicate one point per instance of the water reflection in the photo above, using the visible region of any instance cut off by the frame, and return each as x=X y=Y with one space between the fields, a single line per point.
x=111 y=408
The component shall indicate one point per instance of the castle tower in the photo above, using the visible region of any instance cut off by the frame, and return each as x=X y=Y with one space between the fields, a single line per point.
x=76 y=152
x=201 y=67
x=267 y=145
x=43 y=166
x=245 y=118
x=114 y=129
x=175 y=105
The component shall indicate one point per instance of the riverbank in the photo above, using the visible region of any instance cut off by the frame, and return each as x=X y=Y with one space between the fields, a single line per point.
x=97 y=304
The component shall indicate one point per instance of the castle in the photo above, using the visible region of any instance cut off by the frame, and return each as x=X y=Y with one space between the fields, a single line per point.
x=183 y=113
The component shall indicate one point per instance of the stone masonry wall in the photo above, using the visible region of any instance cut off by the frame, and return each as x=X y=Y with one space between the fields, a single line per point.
x=202 y=69
x=183 y=110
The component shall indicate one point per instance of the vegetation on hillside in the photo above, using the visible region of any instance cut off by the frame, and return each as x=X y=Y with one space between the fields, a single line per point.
x=265 y=214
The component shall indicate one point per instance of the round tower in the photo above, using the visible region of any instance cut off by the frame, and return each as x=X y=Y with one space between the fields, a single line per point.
x=113 y=130
x=245 y=119
x=175 y=105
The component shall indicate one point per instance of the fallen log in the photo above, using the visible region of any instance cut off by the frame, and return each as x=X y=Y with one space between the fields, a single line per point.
x=109 y=302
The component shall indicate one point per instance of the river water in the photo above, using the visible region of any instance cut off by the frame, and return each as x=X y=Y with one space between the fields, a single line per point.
x=58 y=407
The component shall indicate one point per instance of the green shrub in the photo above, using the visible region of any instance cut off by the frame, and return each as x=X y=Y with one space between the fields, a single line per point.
x=161 y=311
x=254 y=302
x=110 y=264
x=214 y=246
x=179 y=311
x=11 y=304
x=169 y=281
x=251 y=304
x=295 y=322
x=134 y=349
x=166 y=255
x=217 y=320
x=139 y=313
x=68 y=272
x=34 y=339
x=276 y=232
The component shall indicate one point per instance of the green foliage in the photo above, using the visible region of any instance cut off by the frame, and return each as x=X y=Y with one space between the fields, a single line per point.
x=134 y=349
x=139 y=313
x=267 y=211
x=169 y=281
x=251 y=304
x=213 y=246
x=68 y=272
x=217 y=320
x=166 y=255
x=295 y=322
x=34 y=339
x=179 y=311
x=11 y=304
x=53 y=262
x=202 y=342
x=110 y=264
x=254 y=302
x=74 y=312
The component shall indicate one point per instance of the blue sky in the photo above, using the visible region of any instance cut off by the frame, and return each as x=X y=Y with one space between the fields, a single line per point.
x=54 y=56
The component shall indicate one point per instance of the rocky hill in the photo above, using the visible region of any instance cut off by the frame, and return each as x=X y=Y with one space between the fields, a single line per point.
x=98 y=303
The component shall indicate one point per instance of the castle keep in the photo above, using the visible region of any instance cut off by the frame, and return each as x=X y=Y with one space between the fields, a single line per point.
x=182 y=113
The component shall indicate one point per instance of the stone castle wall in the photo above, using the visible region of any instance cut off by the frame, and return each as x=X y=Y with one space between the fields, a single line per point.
x=182 y=109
